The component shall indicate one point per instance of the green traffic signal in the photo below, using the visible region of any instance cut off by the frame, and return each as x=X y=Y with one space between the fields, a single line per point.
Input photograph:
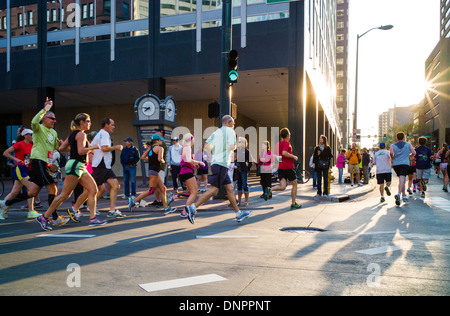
x=232 y=76
x=232 y=66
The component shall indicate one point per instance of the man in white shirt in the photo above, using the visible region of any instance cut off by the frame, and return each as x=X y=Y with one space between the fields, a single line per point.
x=382 y=160
x=102 y=163
x=223 y=143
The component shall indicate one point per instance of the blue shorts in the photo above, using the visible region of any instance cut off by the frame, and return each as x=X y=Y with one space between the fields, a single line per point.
x=219 y=176
x=20 y=172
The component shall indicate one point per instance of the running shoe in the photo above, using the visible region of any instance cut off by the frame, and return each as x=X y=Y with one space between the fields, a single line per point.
x=170 y=198
x=388 y=190
x=397 y=199
x=424 y=187
x=382 y=199
x=269 y=193
x=266 y=194
x=241 y=215
x=168 y=210
x=2 y=216
x=295 y=206
x=117 y=214
x=96 y=222
x=183 y=214
x=422 y=195
x=131 y=204
x=191 y=211
x=75 y=216
x=409 y=191
x=33 y=214
x=60 y=221
x=405 y=199
x=44 y=223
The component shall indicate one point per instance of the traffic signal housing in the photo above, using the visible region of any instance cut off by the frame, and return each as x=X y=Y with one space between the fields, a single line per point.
x=232 y=66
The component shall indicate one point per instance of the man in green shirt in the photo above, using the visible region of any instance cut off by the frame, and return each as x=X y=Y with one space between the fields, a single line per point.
x=223 y=143
x=45 y=141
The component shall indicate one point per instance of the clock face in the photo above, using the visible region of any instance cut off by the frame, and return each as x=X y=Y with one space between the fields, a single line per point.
x=170 y=110
x=148 y=108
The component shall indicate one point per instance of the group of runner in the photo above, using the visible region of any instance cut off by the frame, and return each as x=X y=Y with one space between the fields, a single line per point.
x=34 y=164
x=407 y=161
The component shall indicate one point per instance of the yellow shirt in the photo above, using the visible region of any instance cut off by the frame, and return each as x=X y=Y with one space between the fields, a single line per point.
x=353 y=157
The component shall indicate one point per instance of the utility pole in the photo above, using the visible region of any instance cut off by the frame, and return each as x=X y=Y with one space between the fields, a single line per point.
x=225 y=87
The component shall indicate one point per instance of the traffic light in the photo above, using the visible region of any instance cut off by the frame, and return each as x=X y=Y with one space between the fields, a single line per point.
x=232 y=66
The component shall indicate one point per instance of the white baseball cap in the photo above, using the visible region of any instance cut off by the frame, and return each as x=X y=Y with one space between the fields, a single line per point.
x=27 y=131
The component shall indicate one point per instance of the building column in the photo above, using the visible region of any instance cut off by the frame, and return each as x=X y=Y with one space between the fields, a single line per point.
x=311 y=137
x=296 y=107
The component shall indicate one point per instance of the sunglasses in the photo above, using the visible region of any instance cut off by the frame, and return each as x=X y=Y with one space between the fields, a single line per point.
x=52 y=118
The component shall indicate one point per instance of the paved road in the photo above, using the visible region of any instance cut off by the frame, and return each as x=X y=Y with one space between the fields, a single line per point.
x=366 y=248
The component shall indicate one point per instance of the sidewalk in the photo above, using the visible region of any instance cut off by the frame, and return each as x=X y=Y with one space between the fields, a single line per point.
x=338 y=193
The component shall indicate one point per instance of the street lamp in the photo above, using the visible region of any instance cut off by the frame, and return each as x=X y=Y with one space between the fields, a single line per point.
x=384 y=28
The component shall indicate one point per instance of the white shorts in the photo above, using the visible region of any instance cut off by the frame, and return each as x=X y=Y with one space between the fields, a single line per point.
x=423 y=173
x=443 y=166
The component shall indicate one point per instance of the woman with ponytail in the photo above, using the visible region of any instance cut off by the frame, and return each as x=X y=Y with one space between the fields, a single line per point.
x=76 y=172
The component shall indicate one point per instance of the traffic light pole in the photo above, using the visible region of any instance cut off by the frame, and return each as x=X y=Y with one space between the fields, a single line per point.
x=225 y=88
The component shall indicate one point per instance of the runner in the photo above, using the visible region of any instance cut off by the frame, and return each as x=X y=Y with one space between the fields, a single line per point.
x=188 y=164
x=223 y=143
x=76 y=172
x=21 y=158
x=423 y=164
x=102 y=164
x=154 y=155
x=382 y=160
x=45 y=141
x=286 y=172
x=399 y=153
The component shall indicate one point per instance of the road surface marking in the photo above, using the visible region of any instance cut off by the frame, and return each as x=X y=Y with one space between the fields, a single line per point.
x=173 y=284
x=439 y=202
x=224 y=236
x=378 y=250
x=66 y=235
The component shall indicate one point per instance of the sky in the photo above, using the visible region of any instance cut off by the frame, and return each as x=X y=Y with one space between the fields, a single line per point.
x=391 y=63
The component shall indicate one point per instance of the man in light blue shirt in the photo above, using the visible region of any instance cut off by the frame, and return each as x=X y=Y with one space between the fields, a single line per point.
x=222 y=144
x=400 y=152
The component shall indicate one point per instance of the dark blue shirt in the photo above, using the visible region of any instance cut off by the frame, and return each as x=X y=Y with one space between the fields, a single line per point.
x=423 y=157
x=129 y=156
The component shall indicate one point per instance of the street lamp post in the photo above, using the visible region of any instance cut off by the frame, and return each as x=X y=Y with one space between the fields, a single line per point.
x=384 y=28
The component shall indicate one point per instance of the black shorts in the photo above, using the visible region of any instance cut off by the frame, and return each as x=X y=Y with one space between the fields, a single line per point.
x=201 y=171
x=411 y=170
x=40 y=173
x=186 y=176
x=219 y=176
x=101 y=175
x=382 y=177
x=288 y=174
x=401 y=170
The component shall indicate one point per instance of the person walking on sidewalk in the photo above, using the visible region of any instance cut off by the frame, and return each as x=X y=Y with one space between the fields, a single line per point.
x=340 y=164
x=423 y=164
x=322 y=157
x=102 y=165
x=382 y=160
x=399 y=153
x=353 y=157
x=222 y=142
x=443 y=166
x=286 y=172
x=129 y=158
x=76 y=172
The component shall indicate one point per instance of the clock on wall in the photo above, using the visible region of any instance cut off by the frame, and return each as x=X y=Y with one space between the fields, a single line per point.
x=170 y=109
